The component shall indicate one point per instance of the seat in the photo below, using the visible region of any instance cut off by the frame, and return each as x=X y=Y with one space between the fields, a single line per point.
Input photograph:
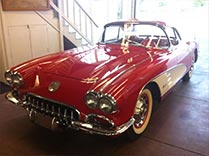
x=146 y=41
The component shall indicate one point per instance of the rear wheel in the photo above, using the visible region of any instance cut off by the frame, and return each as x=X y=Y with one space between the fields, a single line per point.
x=196 y=55
x=142 y=114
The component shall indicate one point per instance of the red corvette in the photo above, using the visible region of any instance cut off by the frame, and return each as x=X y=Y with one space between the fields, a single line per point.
x=109 y=88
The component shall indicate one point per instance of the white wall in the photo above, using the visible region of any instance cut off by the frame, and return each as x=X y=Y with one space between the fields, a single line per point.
x=104 y=11
x=191 y=21
x=24 y=35
x=2 y=60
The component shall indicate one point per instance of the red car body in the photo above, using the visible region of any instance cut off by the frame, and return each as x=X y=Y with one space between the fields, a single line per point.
x=97 y=88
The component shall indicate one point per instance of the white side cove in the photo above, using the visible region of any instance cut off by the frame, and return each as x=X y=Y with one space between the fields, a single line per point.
x=169 y=78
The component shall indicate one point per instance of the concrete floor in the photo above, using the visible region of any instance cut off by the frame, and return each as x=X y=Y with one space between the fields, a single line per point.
x=179 y=127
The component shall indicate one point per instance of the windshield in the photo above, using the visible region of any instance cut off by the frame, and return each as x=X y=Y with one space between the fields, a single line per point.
x=135 y=34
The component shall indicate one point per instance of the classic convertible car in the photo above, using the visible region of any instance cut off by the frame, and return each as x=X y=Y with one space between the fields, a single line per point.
x=107 y=89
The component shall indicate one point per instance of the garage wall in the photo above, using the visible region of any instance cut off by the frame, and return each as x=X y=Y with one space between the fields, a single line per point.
x=28 y=36
x=110 y=11
x=2 y=60
x=25 y=35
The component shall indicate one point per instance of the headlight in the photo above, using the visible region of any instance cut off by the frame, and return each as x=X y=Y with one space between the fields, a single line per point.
x=13 y=78
x=8 y=77
x=91 y=99
x=107 y=104
x=17 y=80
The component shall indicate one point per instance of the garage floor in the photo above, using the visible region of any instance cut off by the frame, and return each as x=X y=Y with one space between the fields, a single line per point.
x=180 y=126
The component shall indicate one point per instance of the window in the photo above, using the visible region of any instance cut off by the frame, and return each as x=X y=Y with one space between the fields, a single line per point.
x=146 y=35
x=173 y=35
x=113 y=34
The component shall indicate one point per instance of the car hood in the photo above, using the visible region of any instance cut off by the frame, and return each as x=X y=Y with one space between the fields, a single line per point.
x=93 y=63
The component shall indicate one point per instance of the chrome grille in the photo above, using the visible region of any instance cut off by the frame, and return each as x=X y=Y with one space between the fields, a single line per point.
x=51 y=108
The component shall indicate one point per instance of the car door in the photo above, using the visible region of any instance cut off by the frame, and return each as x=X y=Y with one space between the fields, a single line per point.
x=177 y=56
x=181 y=48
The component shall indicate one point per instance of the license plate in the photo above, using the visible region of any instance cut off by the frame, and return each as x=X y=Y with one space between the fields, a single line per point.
x=43 y=120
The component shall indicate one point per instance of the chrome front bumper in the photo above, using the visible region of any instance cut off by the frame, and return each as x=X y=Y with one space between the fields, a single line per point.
x=97 y=130
x=76 y=124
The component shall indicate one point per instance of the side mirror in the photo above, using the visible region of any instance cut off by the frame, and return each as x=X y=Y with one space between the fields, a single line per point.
x=188 y=42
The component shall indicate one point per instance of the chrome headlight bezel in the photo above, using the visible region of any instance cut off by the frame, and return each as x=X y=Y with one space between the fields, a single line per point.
x=107 y=104
x=17 y=80
x=14 y=79
x=104 y=102
x=8 y=77
x=91 y=99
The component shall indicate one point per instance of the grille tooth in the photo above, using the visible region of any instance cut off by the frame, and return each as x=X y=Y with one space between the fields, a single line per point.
x=59 y=112
x=71 y=115
x=52 y=112
x=37 y=105
x=47 y=108
x=51 y=108
x=33 y=103
x=29 y=99
x=42 y=107
x=65 y=113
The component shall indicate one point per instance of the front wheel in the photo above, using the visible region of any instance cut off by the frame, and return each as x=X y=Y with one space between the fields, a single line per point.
x=142 y=114
x=188 y=75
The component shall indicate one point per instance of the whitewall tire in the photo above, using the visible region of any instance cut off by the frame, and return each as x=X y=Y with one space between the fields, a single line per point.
x=142 y=114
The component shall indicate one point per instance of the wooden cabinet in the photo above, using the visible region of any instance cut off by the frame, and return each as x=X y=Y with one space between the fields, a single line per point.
x=25 y=35
x=26 y=42
x=39 y=40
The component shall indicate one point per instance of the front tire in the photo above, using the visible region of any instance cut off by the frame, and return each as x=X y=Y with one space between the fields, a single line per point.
x=142 y=114
x=188 y=75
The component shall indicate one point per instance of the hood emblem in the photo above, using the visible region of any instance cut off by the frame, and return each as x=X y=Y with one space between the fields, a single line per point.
x=90 y=80
x=54 y=86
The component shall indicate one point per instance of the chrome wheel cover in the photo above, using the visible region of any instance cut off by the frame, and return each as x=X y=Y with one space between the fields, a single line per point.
x=141 y=109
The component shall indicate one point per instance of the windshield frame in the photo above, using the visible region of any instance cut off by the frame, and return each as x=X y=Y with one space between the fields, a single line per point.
x=127 y=40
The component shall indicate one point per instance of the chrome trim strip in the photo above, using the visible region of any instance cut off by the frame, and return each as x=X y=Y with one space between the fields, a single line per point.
x=181 y=64
x=153 y=79
x=169 y=71
x=12 y=99
x=101 y=131
x=102 y=117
